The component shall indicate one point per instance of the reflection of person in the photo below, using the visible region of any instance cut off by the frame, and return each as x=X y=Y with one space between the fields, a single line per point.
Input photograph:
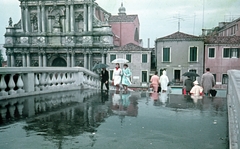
x=126 y=73
x=196 y=90
x=164 y=81
x=207 y=81
x=163 y=97
x=117 y=76
x=155 y=81
x=105 y=77
x=188 y=83
x=155 y=96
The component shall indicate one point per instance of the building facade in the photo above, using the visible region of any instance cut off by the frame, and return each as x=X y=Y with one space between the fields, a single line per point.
x=125 y=28
x=229 y=28
x=59 y=33
x=179 y=53
x=221 y=55
x=139 y=62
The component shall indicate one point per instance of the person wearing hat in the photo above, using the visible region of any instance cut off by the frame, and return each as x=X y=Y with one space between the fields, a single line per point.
x=196 y=90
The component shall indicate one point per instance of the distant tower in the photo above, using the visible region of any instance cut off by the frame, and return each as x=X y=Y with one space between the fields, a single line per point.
x=122 y=10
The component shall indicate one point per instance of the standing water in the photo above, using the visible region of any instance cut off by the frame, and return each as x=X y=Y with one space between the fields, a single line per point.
x=109 y=120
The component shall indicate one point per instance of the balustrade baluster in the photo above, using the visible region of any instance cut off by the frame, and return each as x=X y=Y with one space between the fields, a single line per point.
x=48 y=81
x=11 y=85
x=54 y=81
x=59 y=80
x=64 y=79
x=36 y=83
x=42 y=81
x=20 y=85
x=68 y=82
x=3 y=86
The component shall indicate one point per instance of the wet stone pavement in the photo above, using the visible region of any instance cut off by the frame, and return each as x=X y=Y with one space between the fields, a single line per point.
x=110 y=120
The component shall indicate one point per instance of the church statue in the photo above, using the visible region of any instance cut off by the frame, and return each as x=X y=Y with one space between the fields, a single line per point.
x=10 y=22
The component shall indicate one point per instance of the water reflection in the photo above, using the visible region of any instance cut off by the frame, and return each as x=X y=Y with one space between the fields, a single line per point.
x=60 y=116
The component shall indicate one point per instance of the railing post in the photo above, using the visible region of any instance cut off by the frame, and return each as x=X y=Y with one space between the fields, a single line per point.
x=28 y=80
x=78 y=78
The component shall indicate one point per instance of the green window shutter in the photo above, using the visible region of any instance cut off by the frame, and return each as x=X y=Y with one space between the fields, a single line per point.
x=166 y=54
x=144 y=58
x=193 y=54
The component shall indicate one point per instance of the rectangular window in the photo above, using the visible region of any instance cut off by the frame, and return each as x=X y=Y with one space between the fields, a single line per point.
x=226 y=53
x=144 y=58
x=211 y=52
x=231 y=52
x=129 y=57
x=224 y=79
x=193 y=54
x=112 y=57
x=110 y=74
x=166 y=54
x=144 y=76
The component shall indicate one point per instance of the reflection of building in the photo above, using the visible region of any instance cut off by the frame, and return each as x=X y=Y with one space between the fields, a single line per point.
x=59 y=33
x=179 y=53
x=125 y=28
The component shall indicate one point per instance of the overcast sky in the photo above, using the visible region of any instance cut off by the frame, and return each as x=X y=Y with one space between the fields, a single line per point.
x=157 y=18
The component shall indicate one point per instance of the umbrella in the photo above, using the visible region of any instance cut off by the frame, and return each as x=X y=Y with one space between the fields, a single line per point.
x=190 y=74
x=99 y=66
x=120 y=60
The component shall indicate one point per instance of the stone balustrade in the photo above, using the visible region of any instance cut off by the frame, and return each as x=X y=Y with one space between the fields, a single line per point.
x=26 y=81
x=233 y=98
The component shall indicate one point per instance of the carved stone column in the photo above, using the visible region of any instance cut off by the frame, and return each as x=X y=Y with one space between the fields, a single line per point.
x=73 y=59
x=85 y=60
x=28 y=59
x=44 y=60
x=43 y=18
x=39 y=59
x=8 y=53
x=68 y=59
x=103 y=57
x=22 y=17
x=23 y=59
x=90 y=17
x=67 y=18
x=89 y=60
x=50 y=24
x=26 y=19
x=72 y=17
x=39 y=16
x=85 y=18
x=12 y=60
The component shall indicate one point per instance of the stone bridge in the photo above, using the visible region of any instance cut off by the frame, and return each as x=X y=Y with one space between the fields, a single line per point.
x=61 y=82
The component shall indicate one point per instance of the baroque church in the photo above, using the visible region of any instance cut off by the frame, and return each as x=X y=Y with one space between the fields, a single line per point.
x=64 y=33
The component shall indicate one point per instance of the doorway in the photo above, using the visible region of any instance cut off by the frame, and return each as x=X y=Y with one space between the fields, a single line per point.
x=177 y=75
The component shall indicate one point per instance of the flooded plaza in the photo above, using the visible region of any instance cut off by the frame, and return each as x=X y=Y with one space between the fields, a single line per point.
x=90 y=119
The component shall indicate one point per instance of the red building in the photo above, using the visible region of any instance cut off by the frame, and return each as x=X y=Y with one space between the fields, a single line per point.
x=125 y=28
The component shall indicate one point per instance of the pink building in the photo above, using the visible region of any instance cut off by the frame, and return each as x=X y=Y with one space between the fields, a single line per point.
x=229 y=28
x=221 y=55
x=125 y=28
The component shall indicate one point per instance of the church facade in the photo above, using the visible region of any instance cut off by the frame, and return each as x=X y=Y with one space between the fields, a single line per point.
x=64 y=33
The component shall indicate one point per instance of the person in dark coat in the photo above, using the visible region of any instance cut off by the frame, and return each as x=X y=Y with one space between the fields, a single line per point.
x=104 y=78
x=207 y=81
x=188 y=83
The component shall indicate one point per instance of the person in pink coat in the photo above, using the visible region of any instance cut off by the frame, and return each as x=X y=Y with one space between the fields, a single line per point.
x=155 y=82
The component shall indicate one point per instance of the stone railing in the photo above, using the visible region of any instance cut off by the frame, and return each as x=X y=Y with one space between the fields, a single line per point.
x=20 y=81
x=233 y=99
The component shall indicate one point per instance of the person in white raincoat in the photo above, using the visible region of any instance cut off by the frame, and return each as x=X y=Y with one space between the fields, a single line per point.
x=164 y=81
x=117 y=76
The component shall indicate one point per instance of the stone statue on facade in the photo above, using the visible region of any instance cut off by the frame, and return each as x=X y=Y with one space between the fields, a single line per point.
x=57 y=20
x=10 y=22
